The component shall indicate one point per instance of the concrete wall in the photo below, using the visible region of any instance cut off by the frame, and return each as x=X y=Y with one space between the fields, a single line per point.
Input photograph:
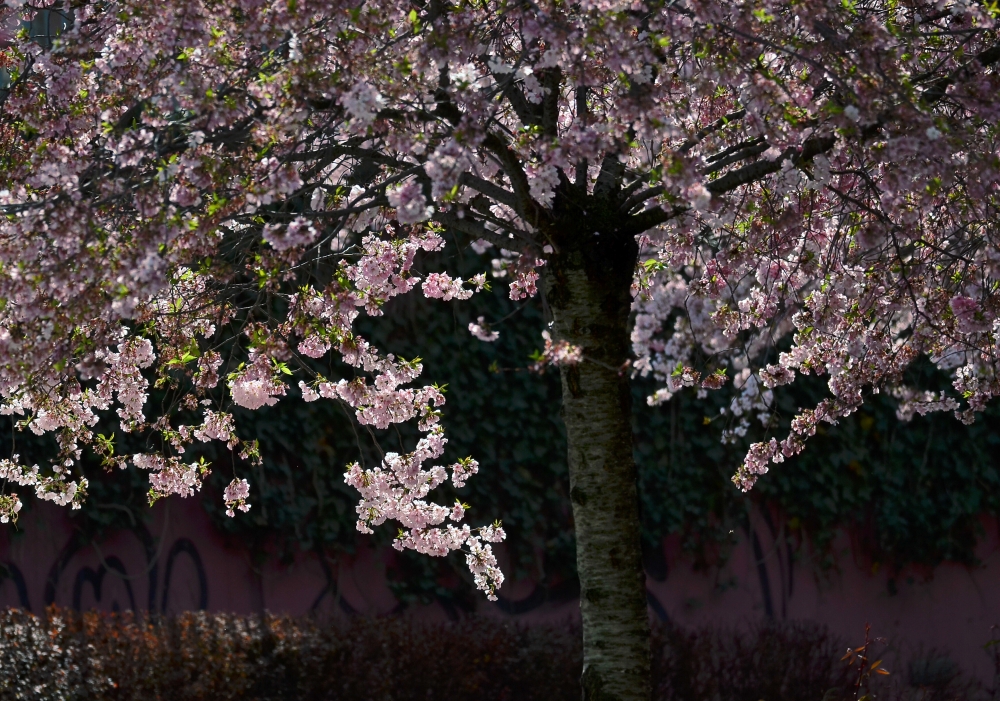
x=179 y=562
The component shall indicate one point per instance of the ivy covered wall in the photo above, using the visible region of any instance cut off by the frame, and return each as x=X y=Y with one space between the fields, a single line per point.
x=913 y=491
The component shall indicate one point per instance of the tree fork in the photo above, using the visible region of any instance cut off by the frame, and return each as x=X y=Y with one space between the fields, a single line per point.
x=588 y=286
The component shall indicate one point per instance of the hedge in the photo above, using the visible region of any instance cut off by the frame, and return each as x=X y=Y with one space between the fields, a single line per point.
x=67 y=656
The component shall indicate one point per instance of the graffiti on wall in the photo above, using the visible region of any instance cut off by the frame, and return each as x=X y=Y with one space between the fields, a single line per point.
x=110 y=585
x=179 y=562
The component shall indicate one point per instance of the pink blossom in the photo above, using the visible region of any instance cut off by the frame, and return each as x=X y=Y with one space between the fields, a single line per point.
x=298 y=233
x=218 y=426
x=410 y=203
x=256 y=385
x=443 y=286
x=967 y=313
x=481 y=330
x=168 y=475
x=314 y=346
x=557 y=353
x=362 y=102
x=543 y=180
x=235 y=496
x=308 y=393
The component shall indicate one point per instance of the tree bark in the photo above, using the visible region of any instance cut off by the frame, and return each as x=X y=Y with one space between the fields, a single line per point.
x=588 y=289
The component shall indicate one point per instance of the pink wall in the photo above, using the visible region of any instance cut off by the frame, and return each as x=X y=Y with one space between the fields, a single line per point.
x=949 y=609
x=180 y=563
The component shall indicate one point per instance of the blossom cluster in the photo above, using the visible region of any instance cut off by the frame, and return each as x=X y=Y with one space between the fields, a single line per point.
x=482 y=330
x=236 y=495
x=397 y=490
x=557 y=354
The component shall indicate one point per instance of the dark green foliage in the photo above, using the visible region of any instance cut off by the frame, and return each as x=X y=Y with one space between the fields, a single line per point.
x=913 y=491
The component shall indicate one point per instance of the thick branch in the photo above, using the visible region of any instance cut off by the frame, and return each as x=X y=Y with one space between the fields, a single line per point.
x=525 y=205
x=939 y=88
x=650 y=218
x=749 y=151
x=760 y=169
x=747 y=143
x=477 y=230
x=344 y=150
x=551 y=80
x=609 y=179
x=640 y=197
x=494 y=192
x=713 y=127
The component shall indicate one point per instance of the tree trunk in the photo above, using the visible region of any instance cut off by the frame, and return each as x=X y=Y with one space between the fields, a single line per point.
x=588 y=288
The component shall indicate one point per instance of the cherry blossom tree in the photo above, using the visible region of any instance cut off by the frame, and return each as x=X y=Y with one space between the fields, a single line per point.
x=207 y=195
